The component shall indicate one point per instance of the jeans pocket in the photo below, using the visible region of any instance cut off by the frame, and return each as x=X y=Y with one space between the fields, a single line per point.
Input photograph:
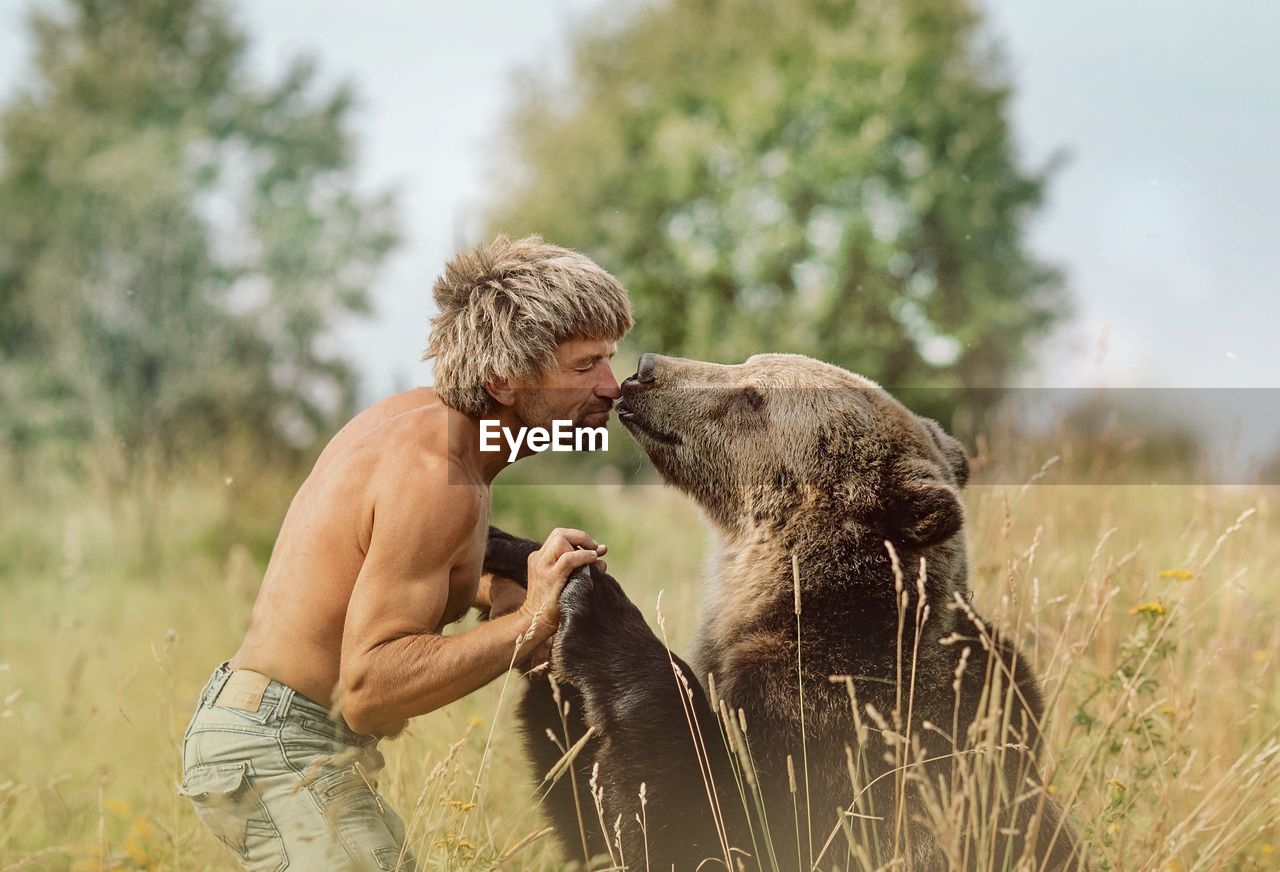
x=395 y=859
x=347 y=791
x=227 y=803
x=361 y=818
x=311 y=746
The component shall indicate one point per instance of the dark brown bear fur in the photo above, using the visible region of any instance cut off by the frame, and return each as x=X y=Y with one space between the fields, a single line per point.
x=799 y=465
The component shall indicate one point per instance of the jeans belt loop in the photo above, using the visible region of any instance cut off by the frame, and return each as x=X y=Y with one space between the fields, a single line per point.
x=214 y=687
x=286 y=700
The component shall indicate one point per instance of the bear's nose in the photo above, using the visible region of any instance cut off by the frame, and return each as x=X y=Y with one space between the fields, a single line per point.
x=646 y=372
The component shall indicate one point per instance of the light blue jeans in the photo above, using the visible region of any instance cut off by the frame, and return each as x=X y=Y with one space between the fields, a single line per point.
x=287 y=787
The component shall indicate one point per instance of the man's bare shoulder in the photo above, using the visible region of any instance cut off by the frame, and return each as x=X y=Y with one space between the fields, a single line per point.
x=383 y=418
x=414 y=474
x=398 y=451
x=401 y=433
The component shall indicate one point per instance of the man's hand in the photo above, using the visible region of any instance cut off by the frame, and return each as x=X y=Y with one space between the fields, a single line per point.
x=502 y=596
x=550 y=567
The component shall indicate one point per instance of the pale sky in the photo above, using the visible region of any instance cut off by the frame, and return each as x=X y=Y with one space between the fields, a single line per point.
x=1165 y=218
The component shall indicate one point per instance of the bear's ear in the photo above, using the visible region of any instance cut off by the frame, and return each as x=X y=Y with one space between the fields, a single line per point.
x=924 y=510
x=952 y=450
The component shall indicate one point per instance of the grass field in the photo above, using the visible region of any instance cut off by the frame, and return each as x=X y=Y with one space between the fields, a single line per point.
x=1151 y=613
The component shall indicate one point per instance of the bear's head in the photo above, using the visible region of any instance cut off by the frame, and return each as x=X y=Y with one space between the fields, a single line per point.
x=783 y=436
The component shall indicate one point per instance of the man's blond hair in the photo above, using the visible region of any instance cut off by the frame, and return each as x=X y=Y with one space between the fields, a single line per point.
x=505 y=306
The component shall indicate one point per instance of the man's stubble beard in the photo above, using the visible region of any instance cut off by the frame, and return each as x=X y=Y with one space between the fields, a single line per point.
x=536 y=412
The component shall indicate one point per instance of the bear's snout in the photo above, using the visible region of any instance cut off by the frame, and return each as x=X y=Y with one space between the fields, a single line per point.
x=645 y=376
x=647 y=371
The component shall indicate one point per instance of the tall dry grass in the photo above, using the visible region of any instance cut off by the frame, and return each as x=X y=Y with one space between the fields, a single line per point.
x=1149 y=612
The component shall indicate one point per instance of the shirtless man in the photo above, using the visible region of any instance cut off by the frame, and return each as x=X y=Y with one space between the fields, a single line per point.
x=381 y=548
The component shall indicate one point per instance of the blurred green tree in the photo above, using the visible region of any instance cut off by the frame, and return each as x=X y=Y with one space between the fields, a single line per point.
x=829 y=177
x=175 y=240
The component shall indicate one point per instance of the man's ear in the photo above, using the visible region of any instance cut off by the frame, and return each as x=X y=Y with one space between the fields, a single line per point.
x=501 y=391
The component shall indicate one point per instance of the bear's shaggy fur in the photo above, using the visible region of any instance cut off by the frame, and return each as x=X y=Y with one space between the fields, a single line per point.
x=921 y=724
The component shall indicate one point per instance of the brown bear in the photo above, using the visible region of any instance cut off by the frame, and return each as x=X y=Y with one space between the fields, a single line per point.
x=845 y=708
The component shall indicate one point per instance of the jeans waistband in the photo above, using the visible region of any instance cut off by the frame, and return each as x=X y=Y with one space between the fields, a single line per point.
x=281 y=702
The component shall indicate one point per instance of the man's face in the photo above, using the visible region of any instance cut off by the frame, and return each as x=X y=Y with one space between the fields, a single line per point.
x=580 y=387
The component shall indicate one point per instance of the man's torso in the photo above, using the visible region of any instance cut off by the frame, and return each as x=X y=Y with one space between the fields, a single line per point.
x=295 y=631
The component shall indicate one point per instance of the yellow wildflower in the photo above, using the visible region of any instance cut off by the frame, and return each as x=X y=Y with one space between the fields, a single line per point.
x=1266 y=848
x=118 y=807
x=1262 y=655
x=465 y=846
x=1152 y=608
x=1178 y=574
x=144 y=842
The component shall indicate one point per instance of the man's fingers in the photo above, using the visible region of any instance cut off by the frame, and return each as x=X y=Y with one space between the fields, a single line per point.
x=571 y=560
x=568 y=537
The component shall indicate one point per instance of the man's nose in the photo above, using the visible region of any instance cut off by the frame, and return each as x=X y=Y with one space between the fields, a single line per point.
x=609 y=387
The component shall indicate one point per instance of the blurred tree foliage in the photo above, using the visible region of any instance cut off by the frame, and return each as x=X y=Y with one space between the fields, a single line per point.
x=175 y=240
x=829 y=177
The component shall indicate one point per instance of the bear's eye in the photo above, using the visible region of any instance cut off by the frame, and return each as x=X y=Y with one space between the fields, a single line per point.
x=751 y=398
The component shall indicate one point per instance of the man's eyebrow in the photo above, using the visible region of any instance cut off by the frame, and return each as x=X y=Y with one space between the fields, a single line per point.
x=584 y=359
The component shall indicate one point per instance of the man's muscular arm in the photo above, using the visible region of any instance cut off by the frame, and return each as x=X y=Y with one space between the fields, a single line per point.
x=395 y=663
